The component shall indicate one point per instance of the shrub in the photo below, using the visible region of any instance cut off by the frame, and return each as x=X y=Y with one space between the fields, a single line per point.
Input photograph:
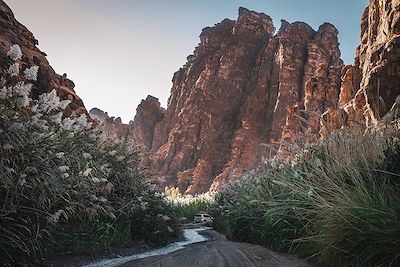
x=156 y=221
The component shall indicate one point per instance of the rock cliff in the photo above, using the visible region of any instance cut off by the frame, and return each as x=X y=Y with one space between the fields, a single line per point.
x=244 y=86
x=247 y=92
x=370 y=86
x=110 y=126
x=12 y=32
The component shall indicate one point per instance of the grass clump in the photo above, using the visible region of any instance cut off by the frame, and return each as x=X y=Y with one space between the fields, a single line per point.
x=336 y=203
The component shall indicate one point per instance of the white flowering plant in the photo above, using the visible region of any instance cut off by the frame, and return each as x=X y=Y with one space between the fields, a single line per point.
x=61 y=181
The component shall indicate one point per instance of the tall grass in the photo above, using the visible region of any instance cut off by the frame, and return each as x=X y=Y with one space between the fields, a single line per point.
x=337 y=203
x=63 y=186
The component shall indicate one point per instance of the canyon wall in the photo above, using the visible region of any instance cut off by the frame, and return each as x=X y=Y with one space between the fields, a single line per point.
x=249 y=91
x=245 y=85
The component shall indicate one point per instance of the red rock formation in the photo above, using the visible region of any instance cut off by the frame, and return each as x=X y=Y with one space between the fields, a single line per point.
x=13 y=32
x=148 y=114
x=371 y=85
x=243 y=86
x=141 y=129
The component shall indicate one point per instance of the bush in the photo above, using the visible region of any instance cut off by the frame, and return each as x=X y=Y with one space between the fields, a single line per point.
x=336 y=203
x=63 y=185
x=155 y=223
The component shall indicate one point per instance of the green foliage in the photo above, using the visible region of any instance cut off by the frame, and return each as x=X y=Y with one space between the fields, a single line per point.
x=90 y=236
x=156 y=223
x=337 y=204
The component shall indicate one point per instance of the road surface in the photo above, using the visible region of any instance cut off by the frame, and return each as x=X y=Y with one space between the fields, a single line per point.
x=217 y=251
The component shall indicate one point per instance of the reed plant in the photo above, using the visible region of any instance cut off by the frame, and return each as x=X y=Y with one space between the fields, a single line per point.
x=337 y=202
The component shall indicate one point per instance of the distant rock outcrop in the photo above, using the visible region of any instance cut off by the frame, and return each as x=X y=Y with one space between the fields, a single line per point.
x=148 y=114
x=141 y=129
x=110 y=126
x=12 y=32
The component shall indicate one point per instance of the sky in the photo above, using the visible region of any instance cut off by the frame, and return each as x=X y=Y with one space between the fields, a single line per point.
x=119 y=51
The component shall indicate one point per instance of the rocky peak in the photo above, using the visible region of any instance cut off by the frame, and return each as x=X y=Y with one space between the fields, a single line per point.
x=98 y=114
x=284 y=25
x=141 y=129
x=210 y=35
x=253 y=25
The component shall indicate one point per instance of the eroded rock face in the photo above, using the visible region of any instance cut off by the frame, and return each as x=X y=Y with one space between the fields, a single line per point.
x=244 y=86
x=371 y=85
x=141 y=129
x=12 y=32
x=148 y=114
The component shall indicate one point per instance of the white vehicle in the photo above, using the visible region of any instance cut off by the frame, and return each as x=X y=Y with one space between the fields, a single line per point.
x=203 y=217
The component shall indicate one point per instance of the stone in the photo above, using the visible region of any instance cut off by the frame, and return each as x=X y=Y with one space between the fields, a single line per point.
x=148 y=114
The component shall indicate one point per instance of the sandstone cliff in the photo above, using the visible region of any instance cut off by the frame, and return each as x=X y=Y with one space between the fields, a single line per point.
x=370 y=86
x=12 y=32
x=244 y=86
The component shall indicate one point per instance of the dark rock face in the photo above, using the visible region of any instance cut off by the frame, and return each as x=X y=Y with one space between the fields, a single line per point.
x=243 y=86
x=12 y=32
x=371 y=85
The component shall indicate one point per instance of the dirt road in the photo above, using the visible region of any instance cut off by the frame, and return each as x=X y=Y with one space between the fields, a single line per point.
x=217 y=251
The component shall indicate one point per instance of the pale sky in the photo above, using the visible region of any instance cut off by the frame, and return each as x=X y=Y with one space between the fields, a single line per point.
x=119 y=51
